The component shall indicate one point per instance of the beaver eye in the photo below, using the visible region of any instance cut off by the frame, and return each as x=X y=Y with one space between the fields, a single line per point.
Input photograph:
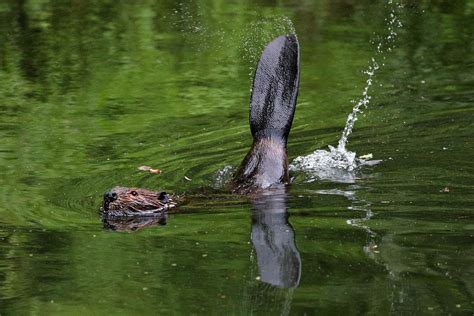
x=134 y=193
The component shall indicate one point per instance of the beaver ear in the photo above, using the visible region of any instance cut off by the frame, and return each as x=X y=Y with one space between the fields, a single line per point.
x=164 y=197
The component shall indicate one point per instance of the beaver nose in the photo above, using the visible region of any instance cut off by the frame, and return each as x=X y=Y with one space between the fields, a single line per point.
x=110 y=196
x=164 y=197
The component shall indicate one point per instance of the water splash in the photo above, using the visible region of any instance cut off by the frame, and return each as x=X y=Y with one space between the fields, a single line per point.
x=334 y=165
x=338 y=164
x=222 y=177
x=362 y=102
x=384 y=45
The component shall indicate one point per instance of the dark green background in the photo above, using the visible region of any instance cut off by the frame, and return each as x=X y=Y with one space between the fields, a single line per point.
x=90 y=90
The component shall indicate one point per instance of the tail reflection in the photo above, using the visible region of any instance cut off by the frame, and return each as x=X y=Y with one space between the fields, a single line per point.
x=273 y=238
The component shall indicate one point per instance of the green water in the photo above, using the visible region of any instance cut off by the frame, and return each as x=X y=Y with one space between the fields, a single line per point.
x=89 y=91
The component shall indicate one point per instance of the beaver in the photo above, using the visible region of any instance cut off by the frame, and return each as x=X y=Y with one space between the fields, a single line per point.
x=121 y=201
x=272 y=107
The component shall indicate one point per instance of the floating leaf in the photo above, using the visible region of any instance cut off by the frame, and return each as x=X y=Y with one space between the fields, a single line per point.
x=150 y=169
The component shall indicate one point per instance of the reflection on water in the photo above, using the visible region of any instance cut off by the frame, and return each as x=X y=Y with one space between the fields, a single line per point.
x=278 y=259
x=134 y=223
x=395 y=252
x=91 y=90
x=273 y=238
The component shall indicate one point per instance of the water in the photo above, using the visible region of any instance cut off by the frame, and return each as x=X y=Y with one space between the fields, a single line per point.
x=91 y=91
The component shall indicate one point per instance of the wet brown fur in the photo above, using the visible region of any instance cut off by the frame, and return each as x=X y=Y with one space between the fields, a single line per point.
x=265 y=166
x=136 y=201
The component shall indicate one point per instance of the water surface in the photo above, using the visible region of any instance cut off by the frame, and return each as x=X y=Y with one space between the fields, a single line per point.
x=90 y=91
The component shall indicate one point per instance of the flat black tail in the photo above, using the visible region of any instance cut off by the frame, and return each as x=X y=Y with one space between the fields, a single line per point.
x=275 y=88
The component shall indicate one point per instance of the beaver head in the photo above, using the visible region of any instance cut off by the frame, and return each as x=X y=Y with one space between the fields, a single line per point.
x=121 y=201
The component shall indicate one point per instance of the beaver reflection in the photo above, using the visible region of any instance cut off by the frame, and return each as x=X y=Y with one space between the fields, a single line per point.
x=134 y=223
x=273 y=238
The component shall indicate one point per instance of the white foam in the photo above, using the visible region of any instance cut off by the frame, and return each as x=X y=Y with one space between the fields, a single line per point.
x=335 y=164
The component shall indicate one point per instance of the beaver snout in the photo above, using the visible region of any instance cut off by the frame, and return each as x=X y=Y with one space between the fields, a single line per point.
x=110 y=196
x=122 y=201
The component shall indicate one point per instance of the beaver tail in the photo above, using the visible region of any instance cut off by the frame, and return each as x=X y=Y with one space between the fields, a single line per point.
x=272 y=107
x=275 y=88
